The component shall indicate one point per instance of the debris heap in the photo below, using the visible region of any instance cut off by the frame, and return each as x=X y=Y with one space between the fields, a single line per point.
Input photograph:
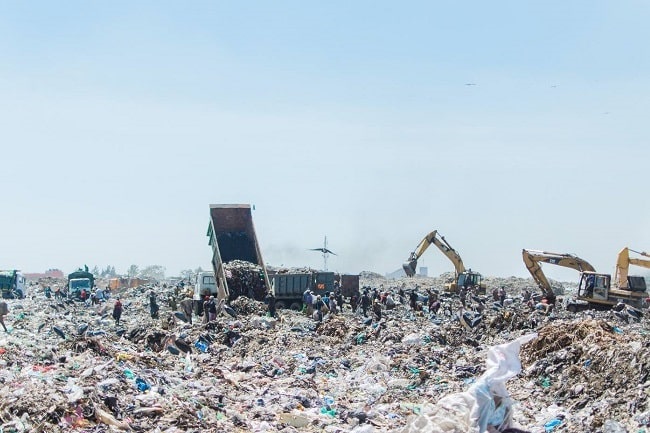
x=245 y=279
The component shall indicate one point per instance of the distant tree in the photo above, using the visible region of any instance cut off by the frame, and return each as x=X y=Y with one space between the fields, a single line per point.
x=95 y=270
x=154 y=272
x=187 y=274
x=133 y=271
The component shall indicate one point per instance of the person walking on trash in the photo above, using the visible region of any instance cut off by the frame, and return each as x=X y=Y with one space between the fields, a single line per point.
x=206 y=309
x=4 y=310
x=365 y=303
x=187 y=307
x=270 y=301
x=308 y=301
x=376 y=308
x=117 y=311
x=153 y=305
x=212 y=309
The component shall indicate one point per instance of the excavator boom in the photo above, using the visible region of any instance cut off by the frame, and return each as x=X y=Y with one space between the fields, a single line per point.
x=439 y=241
x=533 y=258
x=623 y=266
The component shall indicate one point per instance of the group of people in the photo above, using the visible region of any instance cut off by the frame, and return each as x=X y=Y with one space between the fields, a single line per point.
x=317 y=306
x=211 y=308
x=94 y=296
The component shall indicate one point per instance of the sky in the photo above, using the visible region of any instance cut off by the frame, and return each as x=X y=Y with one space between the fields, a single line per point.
x=503 y=125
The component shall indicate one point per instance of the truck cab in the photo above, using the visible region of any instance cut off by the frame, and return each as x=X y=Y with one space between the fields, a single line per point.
x=80 y=280
x=205 y=285
x=76 y=285
x=13 y=284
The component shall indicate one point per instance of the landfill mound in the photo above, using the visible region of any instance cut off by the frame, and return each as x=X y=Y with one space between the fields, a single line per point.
x=66 y=366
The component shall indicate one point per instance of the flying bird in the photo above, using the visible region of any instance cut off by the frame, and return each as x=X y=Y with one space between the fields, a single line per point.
x=325 y=252
x=470 y=84
x=322 y=250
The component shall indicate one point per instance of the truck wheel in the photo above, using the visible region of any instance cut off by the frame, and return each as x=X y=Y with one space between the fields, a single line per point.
x=280 y=305
x=296 y=306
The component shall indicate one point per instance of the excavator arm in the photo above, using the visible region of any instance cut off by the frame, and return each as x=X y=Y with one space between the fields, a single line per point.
x=439 y=241
x=623 y=265
x=533 y=258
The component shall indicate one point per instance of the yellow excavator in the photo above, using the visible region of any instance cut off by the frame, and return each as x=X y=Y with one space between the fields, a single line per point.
x=594 y=288
x=533 y=258
x=623 y=280
x=464 y=277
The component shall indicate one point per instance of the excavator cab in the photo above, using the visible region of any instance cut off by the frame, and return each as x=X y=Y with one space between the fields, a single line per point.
x=594 y=286
x=470 y=278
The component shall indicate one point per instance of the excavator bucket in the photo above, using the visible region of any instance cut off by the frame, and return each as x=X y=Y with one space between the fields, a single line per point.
x=410 y=267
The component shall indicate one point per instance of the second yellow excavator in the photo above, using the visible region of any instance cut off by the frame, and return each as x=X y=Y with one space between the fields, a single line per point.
x=594 y=289
x=533 y=258
x=464 y=277
x=625 y=281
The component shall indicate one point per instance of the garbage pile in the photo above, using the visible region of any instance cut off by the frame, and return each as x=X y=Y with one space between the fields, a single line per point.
x=245 y=279
x=66 y=366
x=591 y=371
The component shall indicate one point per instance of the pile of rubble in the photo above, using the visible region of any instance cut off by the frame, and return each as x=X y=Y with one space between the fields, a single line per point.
x=67 y=367
x=245 y=279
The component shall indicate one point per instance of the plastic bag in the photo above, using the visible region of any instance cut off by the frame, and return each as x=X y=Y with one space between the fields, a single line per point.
x=485 y=403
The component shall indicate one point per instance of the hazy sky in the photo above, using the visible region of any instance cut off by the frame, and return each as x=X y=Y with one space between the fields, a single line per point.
x=121 y=122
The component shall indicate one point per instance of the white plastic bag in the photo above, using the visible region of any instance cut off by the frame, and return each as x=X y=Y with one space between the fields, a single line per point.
x=486 y=403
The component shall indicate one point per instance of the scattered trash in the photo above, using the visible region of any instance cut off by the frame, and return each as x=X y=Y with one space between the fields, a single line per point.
x=348 y=373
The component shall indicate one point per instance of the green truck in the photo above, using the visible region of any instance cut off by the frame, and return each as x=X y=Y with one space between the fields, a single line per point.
x=78 y=281
x=13 y=284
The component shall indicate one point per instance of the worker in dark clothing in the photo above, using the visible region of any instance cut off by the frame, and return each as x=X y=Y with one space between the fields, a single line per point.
x=187 y=307
x=463 y=296
x=502 y=295
x=354 y=303
x=153 y=305
x=117 y=311
x=270 y=302
x=4 y=310
x=365 y=303
x=376 y=308
x=413 y=300
x=339 y=299
x=319 y=307
x=206 y=309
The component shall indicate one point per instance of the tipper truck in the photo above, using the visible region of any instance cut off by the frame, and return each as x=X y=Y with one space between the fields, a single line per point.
x=232 y=237
x=288 y=287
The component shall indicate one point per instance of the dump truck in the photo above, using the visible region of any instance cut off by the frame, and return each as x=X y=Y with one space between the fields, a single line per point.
x=80 y=280
x=13 y=284
x=289 y=287
x=232 y=238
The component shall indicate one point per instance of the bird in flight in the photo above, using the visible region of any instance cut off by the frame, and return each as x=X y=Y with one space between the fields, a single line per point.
x=470 y=84
x=322 y=250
